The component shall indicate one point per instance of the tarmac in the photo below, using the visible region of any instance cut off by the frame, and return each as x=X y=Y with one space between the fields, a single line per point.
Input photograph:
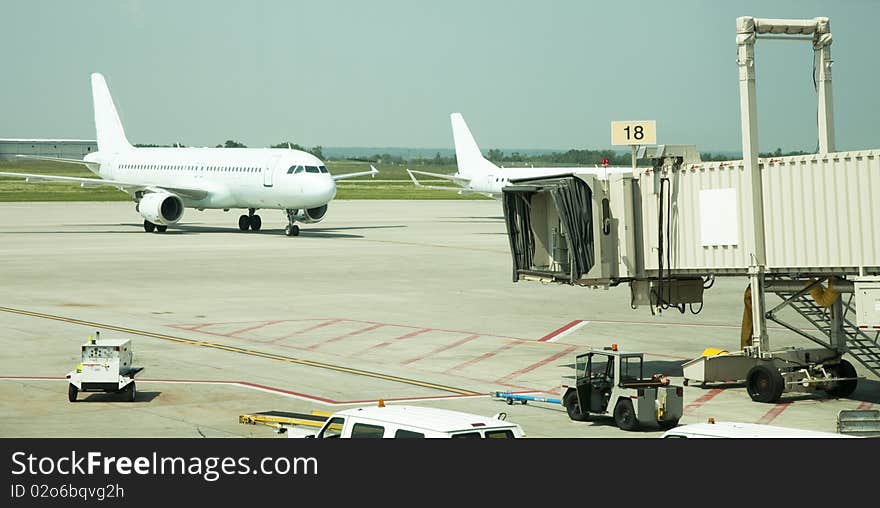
x=406 y=301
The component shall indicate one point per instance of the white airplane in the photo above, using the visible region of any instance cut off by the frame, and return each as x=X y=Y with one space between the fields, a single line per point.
x=476 y=174
x=165 y=181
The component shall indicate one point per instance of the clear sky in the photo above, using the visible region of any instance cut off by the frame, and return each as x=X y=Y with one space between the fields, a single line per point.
x=525 y=74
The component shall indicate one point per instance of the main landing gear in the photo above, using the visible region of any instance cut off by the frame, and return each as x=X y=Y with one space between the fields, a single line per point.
x=291 y=229
x=149 y=227
x=250 y=221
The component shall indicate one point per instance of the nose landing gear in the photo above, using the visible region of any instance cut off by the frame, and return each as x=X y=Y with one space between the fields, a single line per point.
x=291 y=229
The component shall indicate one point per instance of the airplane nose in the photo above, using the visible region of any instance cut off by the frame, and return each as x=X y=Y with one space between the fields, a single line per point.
x=329 y=189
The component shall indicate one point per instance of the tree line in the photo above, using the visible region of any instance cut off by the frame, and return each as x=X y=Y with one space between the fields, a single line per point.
x=572 y=157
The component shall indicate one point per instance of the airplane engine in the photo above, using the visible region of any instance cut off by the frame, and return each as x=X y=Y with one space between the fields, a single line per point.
x=161 y=208
x=312 y=215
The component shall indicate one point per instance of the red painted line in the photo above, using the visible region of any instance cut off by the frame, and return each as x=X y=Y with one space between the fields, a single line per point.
x=287 y=392
x=262 y=387
x=703 y=399
x=536 y=365
x=413 y=334
x=865 y=405
x=388 y=343
x=308 y=329
x=250 y=328
x=35 y=378
x=375 y=346
x=777 y=410
x=556 y=332
x=484 y=356
x=193 y=328
x=345 y=335
x=441 y=349
x=441 y=330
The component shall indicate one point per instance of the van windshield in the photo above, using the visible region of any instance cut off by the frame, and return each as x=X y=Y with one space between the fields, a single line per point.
x=332 y=429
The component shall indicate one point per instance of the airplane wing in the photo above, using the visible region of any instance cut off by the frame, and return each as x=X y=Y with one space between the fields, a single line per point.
x=458 y=180
x=91 y=165
x=372 y=172
x=90 y=183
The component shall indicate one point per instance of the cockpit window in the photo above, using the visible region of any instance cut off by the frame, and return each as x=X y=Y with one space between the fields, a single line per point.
x=312 y=169
x=295 y=169
x=323 y=169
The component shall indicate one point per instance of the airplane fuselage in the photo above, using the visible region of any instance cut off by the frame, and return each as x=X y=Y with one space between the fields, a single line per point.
x=231 y=177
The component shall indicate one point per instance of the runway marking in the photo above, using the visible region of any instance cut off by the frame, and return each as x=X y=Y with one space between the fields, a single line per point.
x=390 y=341
x=344 y=336
x=565 y=330
x=774 y=412
x=250 y=352
x=702 y=400
x=412 y=334
x=536 y=365
x=269 y=389
x=250 y=328
x=441 y=349
x=308 y=329
x=483 y=356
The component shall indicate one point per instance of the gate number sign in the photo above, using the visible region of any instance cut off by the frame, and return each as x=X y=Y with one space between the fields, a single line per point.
x=640 y=132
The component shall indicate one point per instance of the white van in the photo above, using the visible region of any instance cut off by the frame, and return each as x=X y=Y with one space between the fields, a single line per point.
x=411 y=422
x=743 y=430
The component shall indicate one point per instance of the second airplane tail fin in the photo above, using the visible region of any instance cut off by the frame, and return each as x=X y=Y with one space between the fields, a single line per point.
x=470 y=160
x=108 y=127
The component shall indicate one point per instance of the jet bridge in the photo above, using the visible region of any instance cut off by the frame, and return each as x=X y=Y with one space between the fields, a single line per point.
x=801 y=227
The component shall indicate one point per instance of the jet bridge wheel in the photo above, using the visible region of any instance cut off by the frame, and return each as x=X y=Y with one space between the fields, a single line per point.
x=149 y=227
x=842 y=389
x=764 y=383
x=244 y=222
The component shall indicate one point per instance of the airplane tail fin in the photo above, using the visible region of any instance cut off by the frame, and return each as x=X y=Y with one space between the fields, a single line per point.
x=467 y=153
x=110 y=135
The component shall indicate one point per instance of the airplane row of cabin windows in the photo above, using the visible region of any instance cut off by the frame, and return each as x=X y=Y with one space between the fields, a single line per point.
x=306 y=169
x=185 y=167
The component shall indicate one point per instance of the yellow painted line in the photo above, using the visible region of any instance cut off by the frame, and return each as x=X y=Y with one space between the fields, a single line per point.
x=251 y=352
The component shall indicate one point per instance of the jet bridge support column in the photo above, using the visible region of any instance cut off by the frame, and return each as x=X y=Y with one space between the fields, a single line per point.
x=822 y=55
x=745 y=47
x=748 y=30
